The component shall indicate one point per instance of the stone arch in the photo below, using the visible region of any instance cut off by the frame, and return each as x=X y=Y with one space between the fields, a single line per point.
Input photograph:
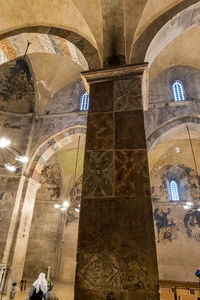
x=154 y=137
x=88 y=50
x=171 y=18
x=50 y=147
x=182 y=22
x=15 y=46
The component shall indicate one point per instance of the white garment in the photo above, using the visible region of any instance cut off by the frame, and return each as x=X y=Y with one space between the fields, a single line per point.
x=41 y=283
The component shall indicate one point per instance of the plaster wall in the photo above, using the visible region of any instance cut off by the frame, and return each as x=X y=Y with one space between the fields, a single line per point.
x=68 y=260
x=46 y=228
x=53 y=236
x=44 y=238
x=177 y=230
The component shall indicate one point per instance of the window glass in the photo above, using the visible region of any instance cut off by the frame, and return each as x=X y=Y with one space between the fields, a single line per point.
x=178 y=90
x=174 y=191
x=84 y=102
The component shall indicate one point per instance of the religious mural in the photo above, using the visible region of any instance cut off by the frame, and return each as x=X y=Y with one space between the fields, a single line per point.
x=50 y=180
x=165 y=225
x=192 y=224
x=75 y=200
x=16 y=86
x=184 y=176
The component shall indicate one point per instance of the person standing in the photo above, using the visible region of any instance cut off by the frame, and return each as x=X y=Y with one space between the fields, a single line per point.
x=38 y=290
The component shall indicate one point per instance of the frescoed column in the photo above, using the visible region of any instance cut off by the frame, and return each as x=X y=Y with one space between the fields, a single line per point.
x=116 y=256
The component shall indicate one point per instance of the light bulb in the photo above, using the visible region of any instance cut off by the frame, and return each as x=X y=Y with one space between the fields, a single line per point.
x=23 y=159
x=57 y=205
x=198 y=208
x=186 y=207
x=10 y=167
x=189 y=203
x=63 y=208
x=77 y=210
x=66 y=204
x=4 y=142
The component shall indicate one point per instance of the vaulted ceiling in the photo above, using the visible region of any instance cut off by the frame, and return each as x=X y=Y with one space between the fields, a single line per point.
x=70 y=36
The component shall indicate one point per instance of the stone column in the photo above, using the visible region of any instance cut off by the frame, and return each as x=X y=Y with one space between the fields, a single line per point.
x=13 y=221
x=116 y=256
x=20 y=247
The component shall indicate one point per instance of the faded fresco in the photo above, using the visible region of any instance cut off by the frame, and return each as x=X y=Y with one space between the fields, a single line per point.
x=192 y=224
x=186 y=178
x=16 y=87
x=75 y=201
x=50 y=180
x=165 y=225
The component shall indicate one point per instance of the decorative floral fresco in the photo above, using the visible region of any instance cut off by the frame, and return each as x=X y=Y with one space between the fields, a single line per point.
x=103 y=271
x=14 y=46
x=192 y=224
x=165 y=225
x=128 y=94
x=99 y=175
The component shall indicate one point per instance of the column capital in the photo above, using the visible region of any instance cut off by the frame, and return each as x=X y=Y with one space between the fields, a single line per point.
x=114 y=73
x=119 y=73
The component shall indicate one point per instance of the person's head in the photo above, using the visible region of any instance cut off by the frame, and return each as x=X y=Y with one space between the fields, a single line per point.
x=41 y=283
x=41 y=276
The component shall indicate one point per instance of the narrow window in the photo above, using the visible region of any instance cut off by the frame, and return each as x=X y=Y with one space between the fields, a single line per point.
x=178 y=90
x=174 y=191
x=84 y=102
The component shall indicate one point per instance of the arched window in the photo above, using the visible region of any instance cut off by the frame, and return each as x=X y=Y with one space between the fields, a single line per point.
x=84 y=102
x=174 y=191
x=178 y=90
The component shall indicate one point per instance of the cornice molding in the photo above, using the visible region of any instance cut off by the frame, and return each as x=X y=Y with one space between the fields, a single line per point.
x=113 y=73
x=119 y=73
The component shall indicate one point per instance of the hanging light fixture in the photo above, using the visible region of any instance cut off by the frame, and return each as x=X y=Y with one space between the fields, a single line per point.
x=12 y=159
x=66 y=204
x=190 y=204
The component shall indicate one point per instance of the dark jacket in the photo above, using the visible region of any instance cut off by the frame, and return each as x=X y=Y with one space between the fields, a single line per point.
x=37 y=296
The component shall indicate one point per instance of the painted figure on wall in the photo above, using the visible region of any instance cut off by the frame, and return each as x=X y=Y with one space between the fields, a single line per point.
x=75 y=201
x=192 y=224
x=166 y=227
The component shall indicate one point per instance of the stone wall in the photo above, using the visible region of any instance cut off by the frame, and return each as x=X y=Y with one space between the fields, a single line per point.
x=163 y=112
